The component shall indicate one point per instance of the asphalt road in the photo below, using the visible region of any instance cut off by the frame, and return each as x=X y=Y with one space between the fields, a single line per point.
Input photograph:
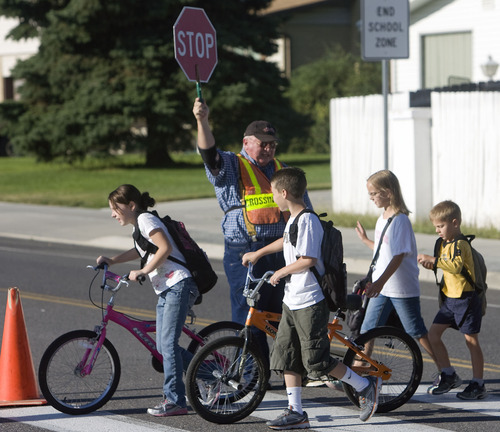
x=54 y=286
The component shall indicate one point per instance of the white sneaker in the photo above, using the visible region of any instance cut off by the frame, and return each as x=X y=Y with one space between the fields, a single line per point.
x=166 y=408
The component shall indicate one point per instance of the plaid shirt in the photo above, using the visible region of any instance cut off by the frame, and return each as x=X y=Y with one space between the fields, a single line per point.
x=227 y=191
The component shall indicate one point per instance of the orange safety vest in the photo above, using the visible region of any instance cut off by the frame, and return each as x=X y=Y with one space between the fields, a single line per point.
x=257 y=197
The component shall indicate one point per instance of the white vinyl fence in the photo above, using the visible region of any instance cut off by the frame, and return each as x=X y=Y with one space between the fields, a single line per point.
x=448 y=151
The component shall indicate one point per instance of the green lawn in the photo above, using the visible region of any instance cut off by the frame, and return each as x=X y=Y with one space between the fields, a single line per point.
x=88 y=184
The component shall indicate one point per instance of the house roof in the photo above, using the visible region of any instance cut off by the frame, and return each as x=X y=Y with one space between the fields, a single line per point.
x=285 y=5
x=416 y=4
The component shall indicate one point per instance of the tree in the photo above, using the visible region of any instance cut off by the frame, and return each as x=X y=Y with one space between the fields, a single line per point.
x=337 y=74
x=105 y=76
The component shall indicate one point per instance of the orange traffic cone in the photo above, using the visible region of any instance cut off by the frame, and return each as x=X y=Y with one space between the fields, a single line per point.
x=18 y=385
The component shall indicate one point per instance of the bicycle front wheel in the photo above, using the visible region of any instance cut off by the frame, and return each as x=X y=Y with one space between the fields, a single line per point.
x=214 y=331
x=226 y=382
x=63 y=381
x=397 y=350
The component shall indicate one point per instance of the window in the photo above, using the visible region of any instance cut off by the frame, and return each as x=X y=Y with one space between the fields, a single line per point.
x=444 y=56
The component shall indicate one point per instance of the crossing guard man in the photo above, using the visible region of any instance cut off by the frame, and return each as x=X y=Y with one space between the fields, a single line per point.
x=251 y=218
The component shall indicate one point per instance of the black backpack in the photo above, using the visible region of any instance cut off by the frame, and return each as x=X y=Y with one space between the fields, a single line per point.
x=196 y=260
x=334 y=282
x=480 y=270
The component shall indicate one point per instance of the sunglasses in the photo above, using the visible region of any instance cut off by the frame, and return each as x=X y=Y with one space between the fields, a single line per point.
x=272 y=144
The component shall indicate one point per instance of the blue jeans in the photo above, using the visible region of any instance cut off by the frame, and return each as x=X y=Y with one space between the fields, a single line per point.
x=171 y=312
x=271 y=298
x=408 y=310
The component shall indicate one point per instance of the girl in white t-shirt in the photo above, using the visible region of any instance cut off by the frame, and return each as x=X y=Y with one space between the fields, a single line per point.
x=172 y=283
x=395 y=277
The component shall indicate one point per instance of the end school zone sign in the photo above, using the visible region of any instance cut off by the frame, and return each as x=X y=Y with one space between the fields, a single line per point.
x=385 y=29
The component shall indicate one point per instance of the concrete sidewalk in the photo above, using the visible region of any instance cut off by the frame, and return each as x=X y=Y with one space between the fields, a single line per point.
x=96 y=228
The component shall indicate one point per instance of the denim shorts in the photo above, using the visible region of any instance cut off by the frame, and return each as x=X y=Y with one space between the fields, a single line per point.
x=408 y=310
x=302 y=345
x=466 y=311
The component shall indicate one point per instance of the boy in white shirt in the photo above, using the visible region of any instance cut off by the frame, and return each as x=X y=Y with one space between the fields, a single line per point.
x=302 y=346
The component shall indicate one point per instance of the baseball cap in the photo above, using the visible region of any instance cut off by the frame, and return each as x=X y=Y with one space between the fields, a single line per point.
x=262 y=130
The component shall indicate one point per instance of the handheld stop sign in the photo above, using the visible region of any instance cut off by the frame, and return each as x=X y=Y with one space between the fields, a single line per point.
x=195 y=45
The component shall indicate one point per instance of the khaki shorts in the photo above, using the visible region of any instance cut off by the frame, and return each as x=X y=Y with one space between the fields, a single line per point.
x=302 y=345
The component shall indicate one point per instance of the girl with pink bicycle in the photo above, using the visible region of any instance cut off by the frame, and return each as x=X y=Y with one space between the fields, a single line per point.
x=80 y=371
x=171 y=281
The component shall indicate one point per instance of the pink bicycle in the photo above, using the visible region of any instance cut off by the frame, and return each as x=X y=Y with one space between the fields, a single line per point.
x=79 y=372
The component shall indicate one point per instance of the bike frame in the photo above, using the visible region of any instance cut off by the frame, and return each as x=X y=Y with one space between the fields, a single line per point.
x=263 y=321
x=140 y=329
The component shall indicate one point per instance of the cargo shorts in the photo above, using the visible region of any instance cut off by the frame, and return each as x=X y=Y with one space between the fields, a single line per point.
x=302 y=345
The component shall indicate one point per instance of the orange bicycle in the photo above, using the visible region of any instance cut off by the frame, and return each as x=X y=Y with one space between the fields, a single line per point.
x=227 y=379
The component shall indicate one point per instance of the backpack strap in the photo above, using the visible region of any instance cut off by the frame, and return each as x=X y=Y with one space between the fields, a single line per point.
x=144 y=244
x=464 y=272
x=293 y=234
x=293 y=230
x=437 y=248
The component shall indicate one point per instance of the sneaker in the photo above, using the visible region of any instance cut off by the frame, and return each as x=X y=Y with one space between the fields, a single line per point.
x=368 y=398
x=446 y=383
x=435 y=381
x=166 y=408
x=290 y=420
x=473 y=391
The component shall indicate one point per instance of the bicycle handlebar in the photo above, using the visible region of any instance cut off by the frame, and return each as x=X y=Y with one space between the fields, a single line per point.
x=108 y=275
x=252 y=294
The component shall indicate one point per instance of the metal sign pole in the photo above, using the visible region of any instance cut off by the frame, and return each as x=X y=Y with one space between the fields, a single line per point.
x=385 y=91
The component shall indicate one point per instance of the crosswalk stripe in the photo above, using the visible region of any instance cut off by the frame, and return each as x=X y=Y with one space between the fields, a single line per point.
x=49 y=418
x=326 y=418
x=488 y=406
